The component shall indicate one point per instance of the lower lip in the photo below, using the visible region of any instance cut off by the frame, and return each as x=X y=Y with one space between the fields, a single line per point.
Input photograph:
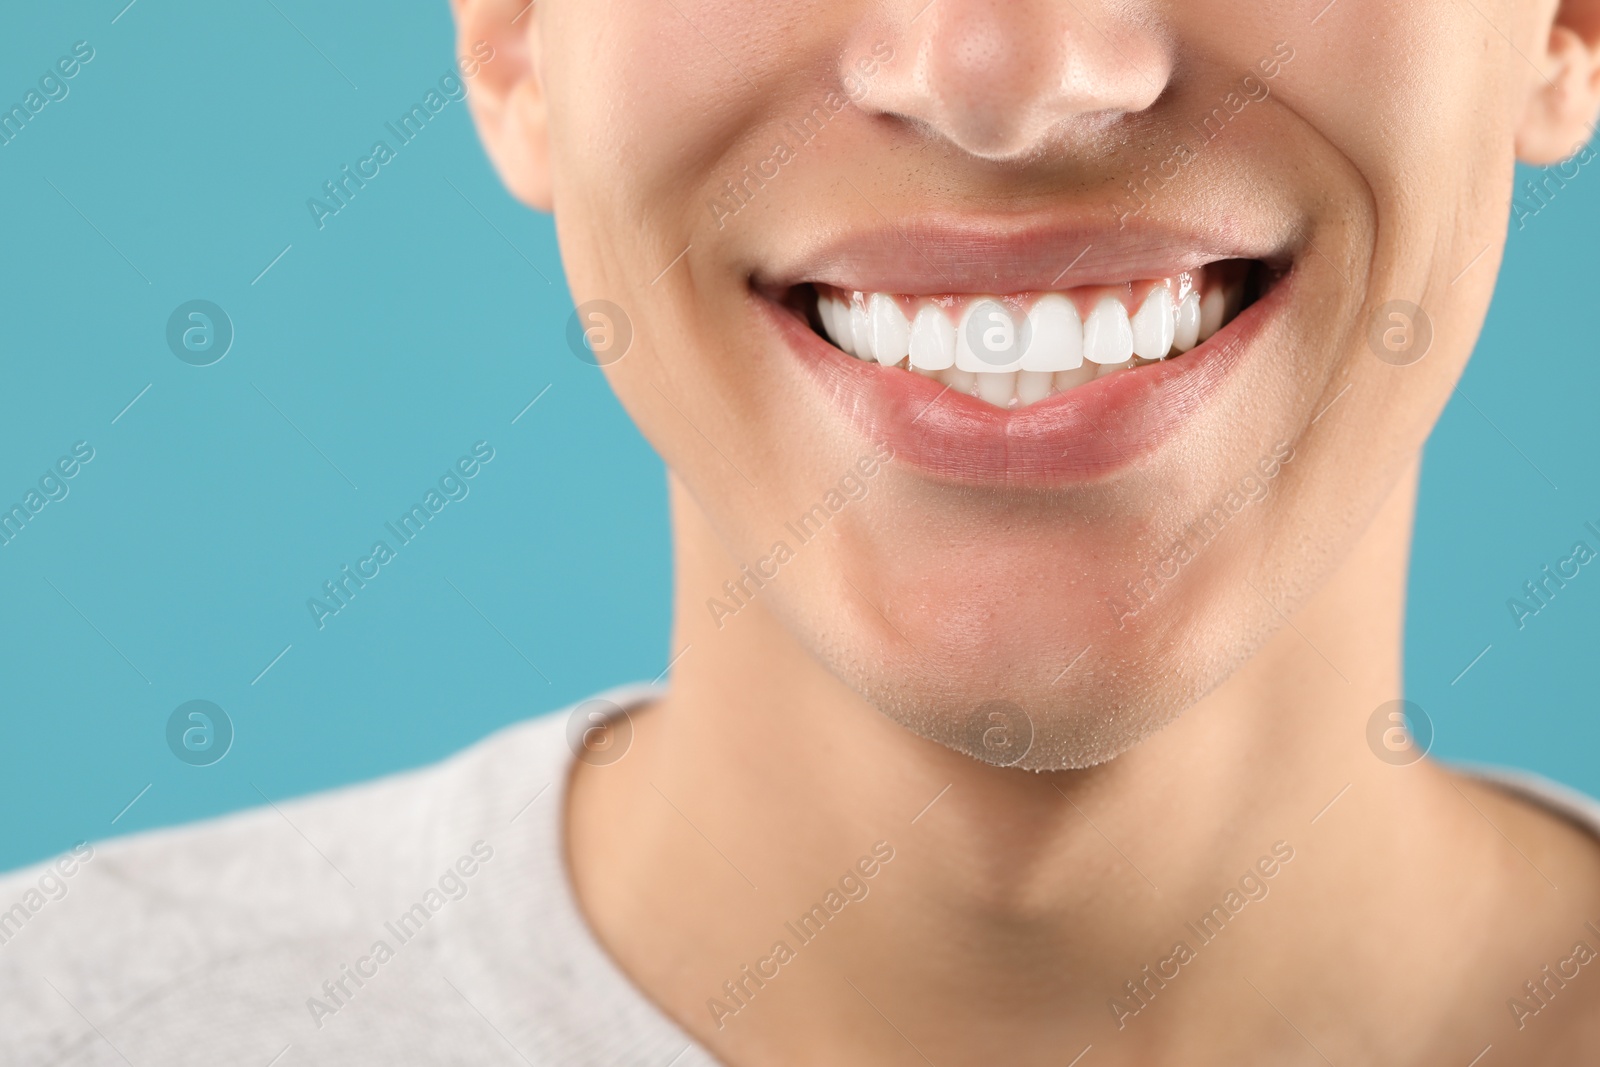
x=1074 y=437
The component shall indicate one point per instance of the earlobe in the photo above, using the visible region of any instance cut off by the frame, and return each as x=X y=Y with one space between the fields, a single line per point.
x=507 y=98
x=1563 y=103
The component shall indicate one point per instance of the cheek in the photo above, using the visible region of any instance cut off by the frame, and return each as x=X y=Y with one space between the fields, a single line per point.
x=646 y=99
x=1426 y=112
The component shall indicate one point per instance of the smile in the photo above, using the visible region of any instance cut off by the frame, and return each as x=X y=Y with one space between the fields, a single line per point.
x=1015 y=350
x=981 y=361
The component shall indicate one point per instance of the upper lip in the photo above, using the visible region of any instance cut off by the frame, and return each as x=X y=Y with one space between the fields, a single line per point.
x=931 y=255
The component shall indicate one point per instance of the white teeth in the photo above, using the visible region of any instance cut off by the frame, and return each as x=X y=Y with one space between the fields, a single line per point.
x=1107 y=336
x=933 y=340
x=1033 y=386
x=835 y=320
x=1186 y=331
x=998 y=389
x=1153 y=325
x=988 y=339
x=1056 y=335
x=846 y=338
x=860 y=329
x=891 y=333
x=1212 y=308
x=987 y=347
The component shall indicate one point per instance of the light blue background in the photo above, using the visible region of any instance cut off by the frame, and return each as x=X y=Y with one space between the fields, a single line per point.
x=376 y=351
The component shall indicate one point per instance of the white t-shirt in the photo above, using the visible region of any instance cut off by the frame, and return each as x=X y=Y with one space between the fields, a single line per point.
x=424 y=918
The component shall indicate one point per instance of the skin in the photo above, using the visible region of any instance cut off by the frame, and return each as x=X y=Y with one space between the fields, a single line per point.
x=1171 y=749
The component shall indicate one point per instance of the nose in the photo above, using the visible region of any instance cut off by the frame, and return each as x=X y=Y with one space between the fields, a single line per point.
x=1001 y=79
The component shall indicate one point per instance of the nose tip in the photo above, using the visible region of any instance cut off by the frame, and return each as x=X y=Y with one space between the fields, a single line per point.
x=1000 y=78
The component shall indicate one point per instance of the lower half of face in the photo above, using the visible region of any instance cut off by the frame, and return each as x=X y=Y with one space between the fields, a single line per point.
x=1032 y=440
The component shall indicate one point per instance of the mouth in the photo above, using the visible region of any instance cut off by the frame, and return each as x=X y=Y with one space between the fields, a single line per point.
x=1016 y=350
x=982 y=356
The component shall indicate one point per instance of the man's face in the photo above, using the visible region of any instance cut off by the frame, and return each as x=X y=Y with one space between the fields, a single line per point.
x=1301 y=207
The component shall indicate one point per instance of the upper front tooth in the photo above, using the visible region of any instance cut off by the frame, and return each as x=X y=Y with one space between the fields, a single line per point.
x=891 y=333
x=989 y=339
x=933 y=340
x=1107 y=336
x=1153 y=325
x=860 y=328
x=1186 y=331
x=1055 y=339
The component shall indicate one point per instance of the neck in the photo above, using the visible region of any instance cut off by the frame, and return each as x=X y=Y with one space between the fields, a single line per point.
x=1059 y=905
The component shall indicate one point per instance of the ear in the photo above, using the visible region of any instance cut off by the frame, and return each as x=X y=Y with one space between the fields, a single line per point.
x=1562 y=105
x=507 y=99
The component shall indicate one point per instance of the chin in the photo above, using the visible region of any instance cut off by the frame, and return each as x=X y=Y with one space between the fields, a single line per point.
x=1017 y=664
